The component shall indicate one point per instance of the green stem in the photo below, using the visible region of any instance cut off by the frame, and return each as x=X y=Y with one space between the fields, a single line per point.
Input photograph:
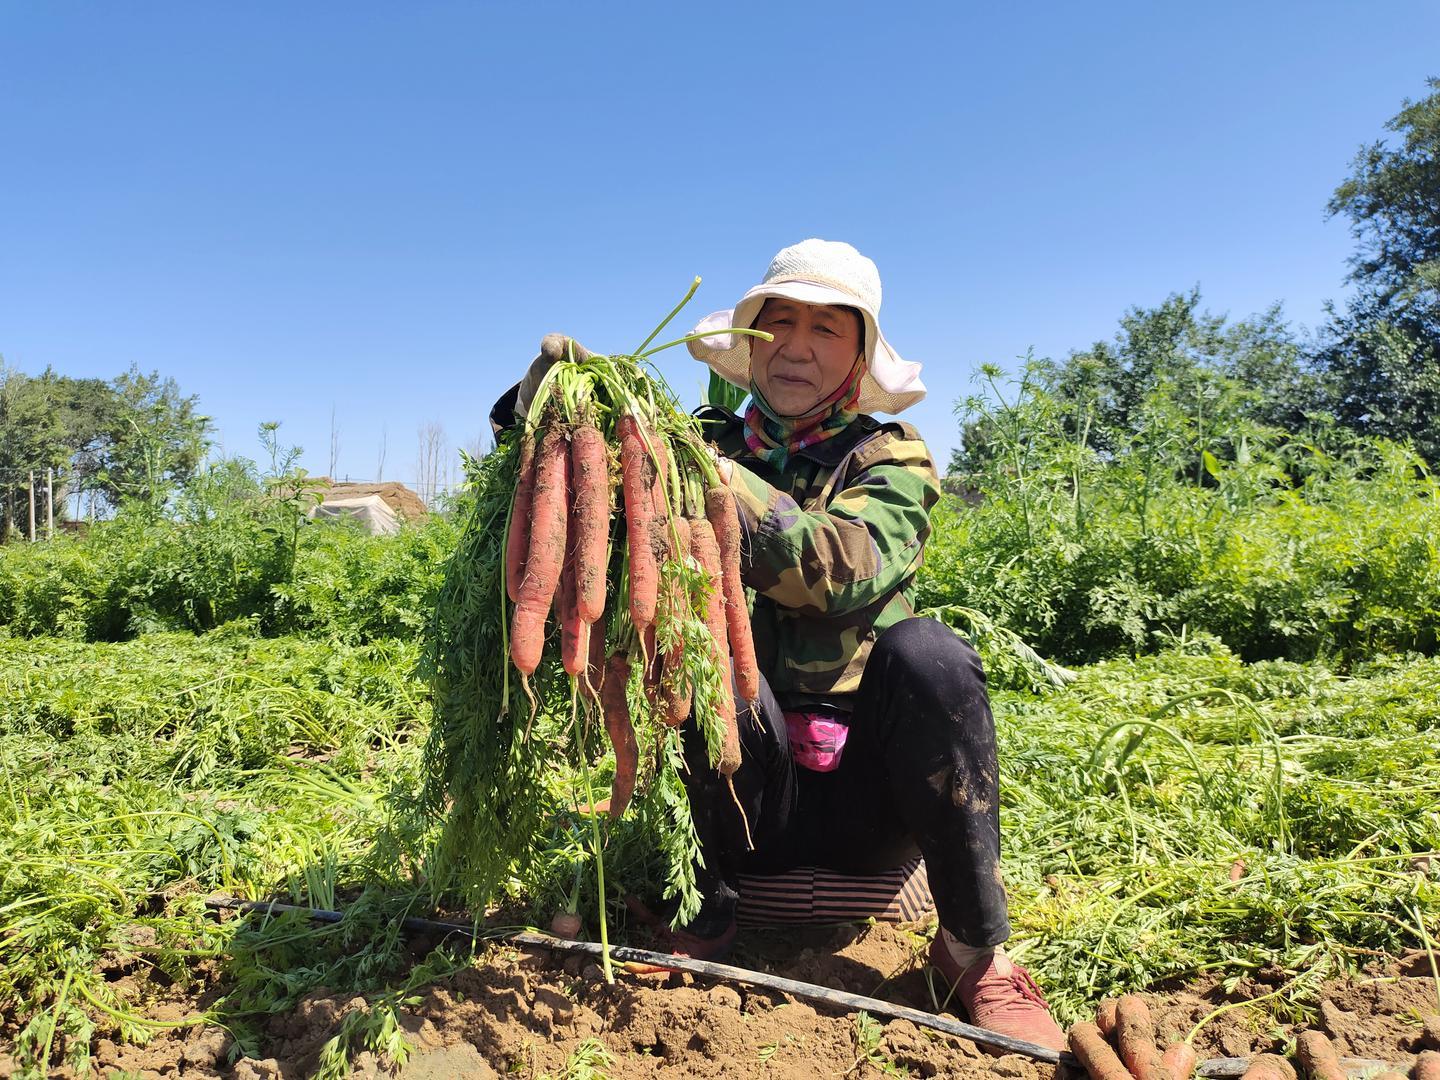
x=205 y=1017
x=1429 y=950
x=55 y=1020
x=696 y=337
x=594 y=832
x=666 y=321
x=1232 y=1005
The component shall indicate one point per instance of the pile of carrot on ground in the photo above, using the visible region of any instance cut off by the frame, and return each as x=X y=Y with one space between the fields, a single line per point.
x=621 y=527
x=1134 y=1055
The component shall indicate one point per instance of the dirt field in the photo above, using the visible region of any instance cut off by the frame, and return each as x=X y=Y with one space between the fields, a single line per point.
x=526 y=1014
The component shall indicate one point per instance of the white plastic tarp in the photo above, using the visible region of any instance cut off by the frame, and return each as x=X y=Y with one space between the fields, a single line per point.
x=370 y=510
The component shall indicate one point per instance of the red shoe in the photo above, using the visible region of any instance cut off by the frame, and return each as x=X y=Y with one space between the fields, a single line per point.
x=999 y=995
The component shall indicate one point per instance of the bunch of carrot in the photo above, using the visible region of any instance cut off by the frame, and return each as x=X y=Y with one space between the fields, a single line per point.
x=1128 y=1022
x=599 y=558
x=621 y=526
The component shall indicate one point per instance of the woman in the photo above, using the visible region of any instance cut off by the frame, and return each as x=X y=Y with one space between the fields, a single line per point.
x=873 y=735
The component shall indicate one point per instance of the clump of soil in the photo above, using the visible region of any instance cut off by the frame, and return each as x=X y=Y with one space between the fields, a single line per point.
x=1376 y=1015
x=524 y=1014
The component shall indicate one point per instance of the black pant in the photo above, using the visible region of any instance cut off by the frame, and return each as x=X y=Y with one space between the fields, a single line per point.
x=918 y=773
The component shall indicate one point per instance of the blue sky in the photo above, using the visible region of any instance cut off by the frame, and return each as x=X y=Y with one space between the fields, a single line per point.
x=380 y=208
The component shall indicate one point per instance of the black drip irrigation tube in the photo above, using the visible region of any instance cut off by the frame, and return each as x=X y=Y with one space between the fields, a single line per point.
x=1214 y=1068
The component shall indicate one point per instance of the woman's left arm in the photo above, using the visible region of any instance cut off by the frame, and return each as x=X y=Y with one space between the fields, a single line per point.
x=864 y=544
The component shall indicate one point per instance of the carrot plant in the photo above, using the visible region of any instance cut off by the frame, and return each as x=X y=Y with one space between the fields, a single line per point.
x=137 y=777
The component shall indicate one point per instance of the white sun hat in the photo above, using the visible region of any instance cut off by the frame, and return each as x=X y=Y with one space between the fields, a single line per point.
x=815 y=272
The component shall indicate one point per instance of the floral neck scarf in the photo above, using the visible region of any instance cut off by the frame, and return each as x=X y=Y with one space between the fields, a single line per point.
x=774 y=439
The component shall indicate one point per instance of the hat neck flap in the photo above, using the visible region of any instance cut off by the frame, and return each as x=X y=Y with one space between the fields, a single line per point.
x=774 y=438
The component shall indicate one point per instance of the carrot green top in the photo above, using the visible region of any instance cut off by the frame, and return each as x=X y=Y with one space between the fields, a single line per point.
x=831 y=543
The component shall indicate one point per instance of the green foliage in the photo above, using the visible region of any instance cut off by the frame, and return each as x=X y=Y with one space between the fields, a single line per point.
x=1128 y=797
x=476 y=756
x=136 y=438
x=1168 y=365
x=359 y=588
x=1382 y=350
x=233 y=544
x=154 y=441
x=869 y=1037
x=139 y=776
x=1277 y=547
x=588 y=1061
x=724 y=394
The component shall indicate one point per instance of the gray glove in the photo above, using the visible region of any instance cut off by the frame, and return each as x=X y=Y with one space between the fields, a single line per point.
x=553 y=347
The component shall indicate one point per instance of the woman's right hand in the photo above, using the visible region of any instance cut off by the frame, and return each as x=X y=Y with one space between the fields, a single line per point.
x=553 y=347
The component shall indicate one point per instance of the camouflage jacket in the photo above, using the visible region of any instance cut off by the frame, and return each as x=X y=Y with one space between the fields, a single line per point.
x=830 y=545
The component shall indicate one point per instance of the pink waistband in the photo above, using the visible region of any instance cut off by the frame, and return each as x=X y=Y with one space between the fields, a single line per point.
x=816 y=739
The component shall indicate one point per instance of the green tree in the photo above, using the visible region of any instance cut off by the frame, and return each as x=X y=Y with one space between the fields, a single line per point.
x=47 y=422
x=156 y=439
x=136 y=437
x=1167 y=365
x=1382 y=350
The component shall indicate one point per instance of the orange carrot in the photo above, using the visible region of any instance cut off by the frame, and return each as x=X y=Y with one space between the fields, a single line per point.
x=621 y=732
x=574 y=631
x=1087 y=1044
x=651 y=678
x=589 y=519
x=639 y=515
x=1105 y=1016
x=725 y=521
x=594 y=679
x=662 y=473
x=1180 y=1061
x=1427 y=1066
x=674 y=688
x=1317 y=1055
x=517 y=544
x=1135 y=1036
x=547 y=552
x=660 y=538
x=707 y=554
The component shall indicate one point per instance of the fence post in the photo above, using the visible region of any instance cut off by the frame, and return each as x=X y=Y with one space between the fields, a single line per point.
x=32 y=506
x=50 y=503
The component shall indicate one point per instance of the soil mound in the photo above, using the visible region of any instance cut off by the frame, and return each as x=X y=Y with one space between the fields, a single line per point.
x=528 y=1014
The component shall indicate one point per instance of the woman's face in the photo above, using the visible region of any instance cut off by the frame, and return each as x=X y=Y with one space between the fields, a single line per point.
x=814 y=349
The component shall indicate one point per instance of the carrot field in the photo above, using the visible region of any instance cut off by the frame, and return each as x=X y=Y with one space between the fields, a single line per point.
x=1218 y=703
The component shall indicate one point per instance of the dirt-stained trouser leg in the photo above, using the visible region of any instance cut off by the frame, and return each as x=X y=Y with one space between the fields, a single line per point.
x=925 y=735
x=918 y=772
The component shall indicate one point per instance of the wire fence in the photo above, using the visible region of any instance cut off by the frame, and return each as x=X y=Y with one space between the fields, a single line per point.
x=28 y=507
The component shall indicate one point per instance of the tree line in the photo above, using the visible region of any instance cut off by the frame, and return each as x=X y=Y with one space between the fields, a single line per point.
x=134 y=437
x=1373 y=367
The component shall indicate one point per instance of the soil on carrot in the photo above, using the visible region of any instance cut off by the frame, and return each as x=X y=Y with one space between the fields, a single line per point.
x=526 y=1014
